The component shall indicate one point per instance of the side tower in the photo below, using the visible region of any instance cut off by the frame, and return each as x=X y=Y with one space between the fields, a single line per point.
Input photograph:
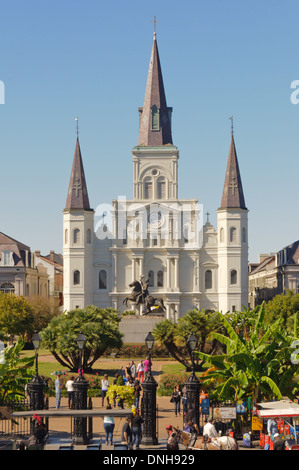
x=78 y=239
x=232 y=222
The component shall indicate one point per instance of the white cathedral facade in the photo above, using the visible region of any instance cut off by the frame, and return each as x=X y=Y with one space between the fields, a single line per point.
x=156 y=235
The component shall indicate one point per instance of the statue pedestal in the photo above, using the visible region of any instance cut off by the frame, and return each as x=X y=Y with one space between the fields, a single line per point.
x=136 y=328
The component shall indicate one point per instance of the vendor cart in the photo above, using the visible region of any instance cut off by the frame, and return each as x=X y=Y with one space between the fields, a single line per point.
x=286 y=414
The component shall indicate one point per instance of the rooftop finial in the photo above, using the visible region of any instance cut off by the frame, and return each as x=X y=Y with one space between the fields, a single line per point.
x=232 y=124
x=155 y=22
x=77 y=120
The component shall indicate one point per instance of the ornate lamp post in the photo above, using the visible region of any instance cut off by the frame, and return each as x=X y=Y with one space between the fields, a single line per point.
x=149 y=400
x=80 y=398
x=192 y=384
x=36 y=385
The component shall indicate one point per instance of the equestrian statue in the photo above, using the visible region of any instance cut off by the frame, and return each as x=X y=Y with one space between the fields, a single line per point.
x=140 y=295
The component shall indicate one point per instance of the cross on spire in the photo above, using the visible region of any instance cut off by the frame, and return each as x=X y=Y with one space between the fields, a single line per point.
x=77 y=125
x=155 y=22
x=232 y=124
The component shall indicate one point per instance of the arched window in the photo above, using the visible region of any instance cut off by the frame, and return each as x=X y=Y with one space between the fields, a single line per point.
x=7 y=288
x=151 y=278
x=233 y=277
x=160 y=279
x=208 y=279
x=76 y=277
x=102 y=279
x=76 y=238
x=221 y=235
x=244 y=235
x=88 y=236
x=66 y=236
x=161 y=188
x=233 y=234
x=148 y=188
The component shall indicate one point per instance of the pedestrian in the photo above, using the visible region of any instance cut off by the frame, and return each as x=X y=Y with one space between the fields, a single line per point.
x=138 y=389
x=279 y=443
x=184 y=401
x=126 y=433
x=190 y=426
x=58 y=388
x=109 y=425
x=105 y=385
x=147 y=365
x=177 y=396
x=209 y=429
x=136 y=430
x=128 y=371
x=70 y=391
x=140 y=371
x=133 y=370
x=272 y=428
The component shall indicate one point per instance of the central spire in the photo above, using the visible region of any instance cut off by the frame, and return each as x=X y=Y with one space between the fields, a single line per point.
x=155 y=116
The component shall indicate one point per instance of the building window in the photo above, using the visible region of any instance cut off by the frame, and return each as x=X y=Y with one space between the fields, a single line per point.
x=88 y=236
x=161 y=189
x=76 y=278
x=233 y=234
x=244 y=235
x=160 y=279
x=151 y=279
x=155 y=118
x=7 y=288
x=233 y=277
x=102 y=279
x=208 y=279
x=66 y=236
x=148 y=189
x=76 y=235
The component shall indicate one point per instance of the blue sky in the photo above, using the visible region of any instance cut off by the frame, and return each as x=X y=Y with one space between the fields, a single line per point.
x=63 y=59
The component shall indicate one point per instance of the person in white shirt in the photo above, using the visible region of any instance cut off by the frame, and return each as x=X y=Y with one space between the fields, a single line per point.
x=70 y=392
x=105 y=385
x=209 y=429
x=140 y=371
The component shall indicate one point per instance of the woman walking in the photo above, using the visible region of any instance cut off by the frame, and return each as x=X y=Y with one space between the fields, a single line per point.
x=177 y=396
x=105 y=385
x=140 y=371
x=109 y=425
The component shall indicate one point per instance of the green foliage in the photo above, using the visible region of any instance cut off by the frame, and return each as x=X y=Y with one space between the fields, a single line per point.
x=283 y=306
x=257 y=361
x=14 y=372
x=123 y=392
x=99 y=326
x=174 y=336
x=16 y=316
x=169 y=381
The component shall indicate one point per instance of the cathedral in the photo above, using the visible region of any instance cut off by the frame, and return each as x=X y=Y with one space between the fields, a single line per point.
x=156 y=237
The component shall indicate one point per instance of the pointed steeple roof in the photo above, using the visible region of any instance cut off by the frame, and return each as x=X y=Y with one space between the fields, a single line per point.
x=232 y=196
x=155 y=116
x=77 y=196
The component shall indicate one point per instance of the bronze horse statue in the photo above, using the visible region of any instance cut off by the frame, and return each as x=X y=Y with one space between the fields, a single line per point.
x=140 y=295
x=194 y=442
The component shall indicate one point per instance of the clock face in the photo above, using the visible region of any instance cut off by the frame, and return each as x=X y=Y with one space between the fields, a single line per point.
x=155 y=219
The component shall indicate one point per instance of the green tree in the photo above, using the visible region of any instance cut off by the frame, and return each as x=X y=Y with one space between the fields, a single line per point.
x=15 y=372
x=16 y=316
x=283 y=306
x=174 y=336
x=43 y=310
x=259 y=365
x=99 y=326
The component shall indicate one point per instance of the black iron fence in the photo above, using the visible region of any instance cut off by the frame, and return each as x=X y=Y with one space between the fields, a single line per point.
x=15 y=427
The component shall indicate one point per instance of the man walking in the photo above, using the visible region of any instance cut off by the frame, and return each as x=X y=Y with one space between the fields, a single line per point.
x=58 y=388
